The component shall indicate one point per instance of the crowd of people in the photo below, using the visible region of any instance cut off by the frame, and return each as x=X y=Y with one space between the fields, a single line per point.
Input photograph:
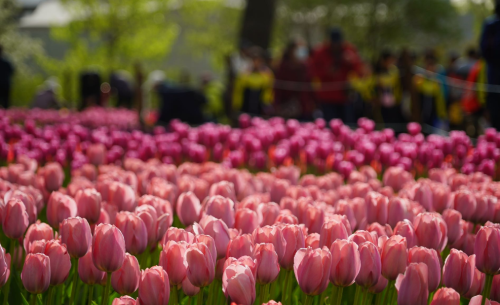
x=330 y=81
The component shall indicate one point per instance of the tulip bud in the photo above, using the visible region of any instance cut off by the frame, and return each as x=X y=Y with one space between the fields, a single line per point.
x=405 y=228
x=446 y=296
x=124 y=300
x=464 y=202
x=88 y=202
x=246 y=220
x=398 y=210
x=126 y=279
x=457 y=274
x=346 y=263
x=312 y=240
x=413 y=287
x=272 y=235
x=314 y=218
x=478 y=279
x=377 y=206
x=87 y=271
x=495 y=289
x=37 y=231
x=188 y=288
x=452 y=218
x=36 y=273
x=177 y=234
x=15 y=219
x=394 y=256
x=294 y=239
x=222 y=208
x=75 y=233
x=371 y=267
x=362 y=236
x=134 y=231
x=173 y=261
x=154 y=288
x=380 y=286
x=60 y=207
x=431 y=231
x=241 y=245
x=432 y=260
x=53 y=175
x=312 y=269
x=266 y=259
x=60 y=262
x=487 y=250
x=149 y=216
x=28 y=201
x=332 y=231
x=122 y=196
x=238 y=284
x=478 y=300
x=108 y=247
x=217 y=229
x=201 y=265
x=188 y=208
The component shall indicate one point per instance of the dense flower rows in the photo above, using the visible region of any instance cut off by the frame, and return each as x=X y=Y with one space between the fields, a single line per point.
x=391 y=221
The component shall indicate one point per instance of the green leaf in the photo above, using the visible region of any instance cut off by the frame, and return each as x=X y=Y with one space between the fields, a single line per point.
x=23 y=300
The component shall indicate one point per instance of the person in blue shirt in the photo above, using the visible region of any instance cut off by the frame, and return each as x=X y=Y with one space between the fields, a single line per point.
x=490 y=48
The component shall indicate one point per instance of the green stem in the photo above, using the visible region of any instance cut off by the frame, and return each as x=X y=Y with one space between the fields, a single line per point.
x=487 y=288
x=369 y=298
x=309 y=300
x=6 y=289
x=91 y=295
x=285 y=287
x=364 y=292
x=393 y=292
x=200 y=297
x=336 y=296
x=33 y=299
x=356 y=295
x=272 y=289
x=290 y=286
x=174 y=298
x=211 y=293
x=262 y=293
x=105 y=296
x=189 y=300
x=388 y=292
x=75 y=281
x=323 y=296
x=50 y=295
x=339 y=295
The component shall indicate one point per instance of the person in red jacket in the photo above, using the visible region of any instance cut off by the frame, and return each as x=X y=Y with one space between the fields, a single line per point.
x=331 y=66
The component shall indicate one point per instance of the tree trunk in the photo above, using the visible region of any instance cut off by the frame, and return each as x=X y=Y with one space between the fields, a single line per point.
x=257 y=22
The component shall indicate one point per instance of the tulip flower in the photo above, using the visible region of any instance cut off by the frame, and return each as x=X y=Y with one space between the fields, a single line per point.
x=238 y=284
x=154 y=288
x=201 y=265
x=446 y=296
x=134 y=231
x=394 y=256
x=217 y=229
x=60 y=262
x=189 y=289
x=431 y=231
x=224 y=189
x=478 y=279
x=176 y=234
x=87 y=271
x=464 y=202
x=5 y=265
x=268 y=268
x=36 y=273
x=413 y=287
x=60 y=207
x=398 y=210
x=149 y=216
x=441 y=197
x=53 y=176
x=75 y=233
x=220 y=207
x=377 y=206
x=432 y=260
x=495 y=289
x=370 y=270
x=124 y=300
x=241 y=245
x=452 y=218
x=312 y=240
x=312 y=269
x=188 y=208
x=88 y=203
x=272 y=235
x=487 y=250
x=173 y=261
x=122 y=196
x=28 y=201
x=346 y=263
x=457 y=273
x=246 y=220
x=15 y=219
x=478 y=300
x=332 y=231
x=37 y=231
x=295 y=240
x=126 y=279
x=362 y=236
x=108 y=247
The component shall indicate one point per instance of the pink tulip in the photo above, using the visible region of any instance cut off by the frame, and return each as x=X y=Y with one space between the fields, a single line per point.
x=272 y=303
x=241 y=245
x=396 y=178
x=5 y=261
x=210 y=243
x=224 y=189
x=238 y=284
x=134 y=231
x=477 y=300
x=431 y=231
x=394 y=256
x=173 y=260
x=162 y=224
x=380 y=286
x=220 y=207
x=464 y=202
x=37 y=231
x=312 y=269
x=15 y=219
x=314 y=218
x=201 y=265
x=294 y=238
x=75 y=233
x=405 y=228
x=312 y=240
x=36 y=273
x=53 y=175
x=457 y=273
x=177 y=234
x=433 y=262
x=487 y=250
x=484 y=204
x=441 y=197
x=330 y=232
x=398 y=210
x=154 y=287
x=452 y=218
x=96 y=153
x=268 y=267
x=345 y=208
x=413 y=287
x=217 y=229
x=149 y=216
x=126 y=279
x=362 y=236
x=88 y=202
x=124 y=300
x=424 y=196
x=269 y=212
x=108 y=247
x=371 y=267
x=188 y=288
x=244 y=261
x=478 y=279
x=87 y=271
x=278 y=189
x=495 y=289
x=60 y=207
x=246 y=220
x=377 y=205
x=122 y=196
x=446 y=296
x=272 y=235
x=346 y=263
x=188 y=208
x=60 y=262
x=28 y=201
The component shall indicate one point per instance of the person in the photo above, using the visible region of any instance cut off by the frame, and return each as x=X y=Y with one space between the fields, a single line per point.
x=454 y=88
x=213 y=91
x=387 y=88
x=406 y=61
x=90 y=89
x=123 y=88
x=292 y=88
x=46 y=97
x=490 y=49
x=331 y=65
x=253 y=91
x=6 y=73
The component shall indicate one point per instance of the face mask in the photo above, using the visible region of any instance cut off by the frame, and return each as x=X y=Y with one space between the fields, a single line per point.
x=301 y=52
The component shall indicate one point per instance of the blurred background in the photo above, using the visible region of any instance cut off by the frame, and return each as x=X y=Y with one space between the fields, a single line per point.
x=227 y=53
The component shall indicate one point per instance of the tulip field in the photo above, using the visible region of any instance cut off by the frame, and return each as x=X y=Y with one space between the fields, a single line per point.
x=96 y=210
